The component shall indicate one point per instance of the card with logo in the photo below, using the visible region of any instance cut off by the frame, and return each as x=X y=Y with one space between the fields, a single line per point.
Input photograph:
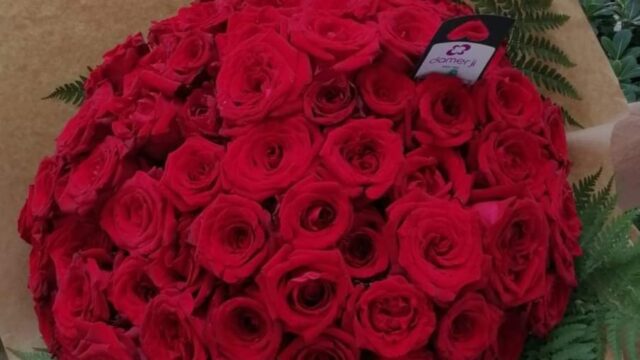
x=464 y=46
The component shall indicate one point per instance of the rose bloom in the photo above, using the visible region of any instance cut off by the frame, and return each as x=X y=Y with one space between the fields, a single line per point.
x=81 y=296
x=447 y=115
x=358 y=9
x=203 y=16
x=517 y=240
x=509 y=156
x=364 y=248
x=315 y=214
x=438 y=172
x=547 y=312
x=88 y=126
x=41 y=196
x=101 y=341
x=508 y=95
x=254 y=19
x=199 y=114
x=386 y=91
x=95 y=176
x=305 y=289
x=132 y=288
x=270 y=158
x=231 y=237
x=330 y=99
x=138 y=218
x=554 y=130
x=339 y=43
x=262 y=76
x=438 y=243
x=169 y=331
x=391 y=317
x=193 y=53
x=512 y=335
x=241 y=328
x=406 y=31
x=364 y=154
x=468 y=328
x=192 y=174
x=334 y=343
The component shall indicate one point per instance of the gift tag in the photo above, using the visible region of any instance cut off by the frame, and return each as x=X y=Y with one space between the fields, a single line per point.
x=464 y=46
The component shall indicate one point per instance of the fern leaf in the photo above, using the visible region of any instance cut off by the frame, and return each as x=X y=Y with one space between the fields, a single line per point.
x=35 y=355
x=541 y=21
x=569 y=119
x=70 y=93
x=540 y=47
x=546 y=76
x=584 y=189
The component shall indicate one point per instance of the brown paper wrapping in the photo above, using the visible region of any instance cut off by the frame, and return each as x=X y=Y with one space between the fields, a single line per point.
x=49 y=42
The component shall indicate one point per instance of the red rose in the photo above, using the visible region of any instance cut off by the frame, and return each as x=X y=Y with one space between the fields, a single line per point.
x=406 y=31
x=149 y=121
x=241 y=328
x=90 y=179
x=439 y=244
x=81 y=296
x=315 y=214
x=554 y=131
x=138 y=218
x=364 y=154
x=262 y=76
x=199 y=114
x=169 y=331
x=547 y=312
x=193 y=53
x=330 y=99
x=509 y=96
x=101 y=341
x=132 y=288
x=117 y=62
x=305 y=289
x=41 y=195
x=88 y=126
x=517 y=240
x=420 y=354
x=339 y=43
x=256 y=19
x=392 y=317
x=202 y=16
x=386 y=91
x=512 y=336
x=358 y=9
x=560 y=252
x=468 y=328
x=364 y=247
x=332 y=344
x=509 y=156
x=175 y=263
x=437 y=172
x=270 y=158
x=447 y=115
x=231 y=237
x=192 y=174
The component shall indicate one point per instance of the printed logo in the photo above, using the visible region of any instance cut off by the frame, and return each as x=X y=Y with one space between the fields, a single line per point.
x=459 y=50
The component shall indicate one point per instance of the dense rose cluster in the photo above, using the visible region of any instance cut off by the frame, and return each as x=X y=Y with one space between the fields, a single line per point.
x=263 y=179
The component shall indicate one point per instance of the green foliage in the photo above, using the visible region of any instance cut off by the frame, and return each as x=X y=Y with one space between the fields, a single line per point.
x=617 y=23
x=70 y=93
x=33 y=355
x=605 y=311
x=528 y=48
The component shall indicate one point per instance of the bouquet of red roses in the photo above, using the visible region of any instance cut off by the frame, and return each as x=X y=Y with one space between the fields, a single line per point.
x=266 y=180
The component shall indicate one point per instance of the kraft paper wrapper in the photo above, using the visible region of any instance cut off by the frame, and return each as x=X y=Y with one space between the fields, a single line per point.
x=49 y=42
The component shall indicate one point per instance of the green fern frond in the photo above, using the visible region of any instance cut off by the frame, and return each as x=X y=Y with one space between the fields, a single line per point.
x=537 y=46
x=569 y=119
x=546 y=76
x=70 y=93
x=584 y=188
x=541 y=21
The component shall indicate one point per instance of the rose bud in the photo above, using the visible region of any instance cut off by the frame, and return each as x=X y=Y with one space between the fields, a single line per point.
x=333 y=344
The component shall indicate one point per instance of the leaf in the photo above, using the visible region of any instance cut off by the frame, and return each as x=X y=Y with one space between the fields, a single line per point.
x=542 y=21
x=547 y=77
x=621 y=41
x=70 y=93
x=3 y=351
x=538 y=46
x=570 y=119
x=35 y=355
